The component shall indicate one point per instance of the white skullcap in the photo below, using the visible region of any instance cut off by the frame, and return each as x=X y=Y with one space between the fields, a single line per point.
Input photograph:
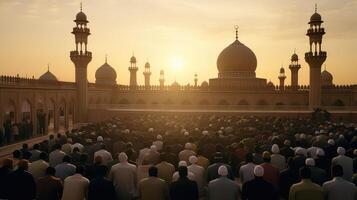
x=297 y=136
x=188 y=146
x=123 y=157
x=114 y=126
x=100 y=139
x=320 y=152
x=186 y=133
x=355 y=152
x=126 y=131
x=222 y=128
x=204 y=132
x=341 y=136
x=310 y=162
x=222 y=171
x=220 y=132
x=153 y=148
x=317 y=132
x=182 y=163
x=258 y=171
x=151 y=129
x=159 y=137
x=69 y=140
x=331 y=134
x=275 y=148
x=341 y=151
x=302 y=136
x=193 y=159
x=331 y=142
x=299 y=151
x=196 y=129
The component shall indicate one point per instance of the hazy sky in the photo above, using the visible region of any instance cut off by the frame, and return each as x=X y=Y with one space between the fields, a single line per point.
x=167 y=32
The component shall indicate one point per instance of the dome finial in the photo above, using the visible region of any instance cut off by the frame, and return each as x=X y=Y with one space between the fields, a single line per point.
x=294 y=50
x=236 y=27
x=81 y=6
x=315 y=7
x=48 y=67
x=106 y=58
x=325 y=67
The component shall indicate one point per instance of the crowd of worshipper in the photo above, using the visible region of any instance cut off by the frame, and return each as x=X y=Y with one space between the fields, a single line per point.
x=188 y=156
x=14 y=132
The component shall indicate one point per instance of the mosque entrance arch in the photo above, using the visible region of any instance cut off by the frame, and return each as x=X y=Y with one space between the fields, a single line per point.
x=223 y=102
x=26 y=110
x=10 y=112
x=51 y=116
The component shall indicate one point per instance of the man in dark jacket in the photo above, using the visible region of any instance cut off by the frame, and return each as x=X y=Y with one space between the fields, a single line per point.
x=258 y=188
x=100 y=187
x=5 y=171
x=287 y=178
x=183 y=188
x=49 y=187
x=21 y=183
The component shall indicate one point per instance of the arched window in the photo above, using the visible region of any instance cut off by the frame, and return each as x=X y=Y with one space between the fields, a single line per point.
x=262 y=102
x=140 y=101
x=223 y=102
x=123 y=101
x=203 y=102
x=243 y=102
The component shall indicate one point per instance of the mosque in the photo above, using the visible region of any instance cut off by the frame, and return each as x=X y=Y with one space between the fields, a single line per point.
x=61 y=104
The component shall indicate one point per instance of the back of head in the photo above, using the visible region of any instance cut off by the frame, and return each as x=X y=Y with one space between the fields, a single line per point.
x=98 y=160
x=258 y=171
x=16 y=154
x=305 y=173
x=67 y=159
x=266 y=156
x=43 y=156
x=222 y=170
x=36 y=146
x=182 y=170
x=50 y=171
x=337 y=171
x=249 y=157
x=25 y=146
x=23 y=164
x=122 y=157
x=80 y=169
x=193 y=159
x=153 y=171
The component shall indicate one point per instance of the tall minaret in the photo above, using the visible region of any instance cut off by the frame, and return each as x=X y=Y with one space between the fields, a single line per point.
x=315 y=58
x=162 y=79
x=133 y=69
x=294 y=68
x=81 y=57
x=282 y=78
x=147 y=74
x=196 y=80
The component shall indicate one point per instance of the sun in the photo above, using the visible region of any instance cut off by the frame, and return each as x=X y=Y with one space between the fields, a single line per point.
x=177 y=63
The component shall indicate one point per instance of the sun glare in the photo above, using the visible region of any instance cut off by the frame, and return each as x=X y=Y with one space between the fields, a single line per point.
x=177 y=64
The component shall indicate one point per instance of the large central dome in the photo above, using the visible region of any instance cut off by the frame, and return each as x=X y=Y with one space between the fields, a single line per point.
x=236 y=58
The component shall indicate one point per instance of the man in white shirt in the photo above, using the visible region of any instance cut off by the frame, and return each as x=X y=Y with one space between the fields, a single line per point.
x=246 y=172
x=39 y=167
x=56 y=156
x=124 y=178
x=276 y=159
x=339 y=188
x=185 y=154
x=106 y=155
x=65 y=169
x=158 y=143
x=75 y=187
x=345 y=162
x=199 y=173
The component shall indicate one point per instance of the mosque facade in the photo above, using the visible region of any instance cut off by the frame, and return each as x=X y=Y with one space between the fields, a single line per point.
x=55 y=104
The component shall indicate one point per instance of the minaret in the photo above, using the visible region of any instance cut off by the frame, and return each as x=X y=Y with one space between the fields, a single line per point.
x=294 y=68
x=315 y=58
x=147 y=74
x=162 y=79
x=81 y=57
x=133 y=69
x=196 y=80
x=282 y=78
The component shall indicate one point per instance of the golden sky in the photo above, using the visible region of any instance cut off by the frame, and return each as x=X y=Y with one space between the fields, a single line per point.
x=174 y=33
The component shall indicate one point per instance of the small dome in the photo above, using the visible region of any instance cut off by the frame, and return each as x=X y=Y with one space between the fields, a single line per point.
x=315 y=18
x=147 y=65
x=175 y=84
x=326 y=77
x=204 y=84
x=237 y=57
x=133 y=59
x=161 y=72
x=270 y=84
x=48 y=76
x=81 y=17
x=294 y=57
x=106 y=75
